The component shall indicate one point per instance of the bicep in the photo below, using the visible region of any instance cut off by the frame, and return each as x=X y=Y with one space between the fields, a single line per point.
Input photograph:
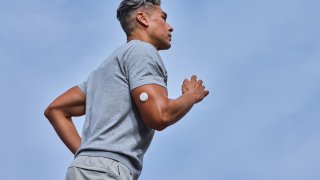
x=71 y=103
x=151 y=110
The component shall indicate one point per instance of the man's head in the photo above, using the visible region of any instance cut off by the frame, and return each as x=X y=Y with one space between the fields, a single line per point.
x=145 y=20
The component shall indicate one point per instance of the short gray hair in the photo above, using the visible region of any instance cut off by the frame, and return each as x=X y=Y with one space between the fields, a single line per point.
x=126 y=9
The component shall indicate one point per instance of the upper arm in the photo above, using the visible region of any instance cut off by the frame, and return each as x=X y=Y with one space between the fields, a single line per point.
x=146 y=73
x=71 y=103
x=152 y=110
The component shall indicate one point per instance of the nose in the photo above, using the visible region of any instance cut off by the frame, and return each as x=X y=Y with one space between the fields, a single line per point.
x=170 y=28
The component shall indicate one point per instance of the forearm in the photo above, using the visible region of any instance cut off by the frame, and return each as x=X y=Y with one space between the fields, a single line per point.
x=159 y=112
x=65 y=129
x=177 y=108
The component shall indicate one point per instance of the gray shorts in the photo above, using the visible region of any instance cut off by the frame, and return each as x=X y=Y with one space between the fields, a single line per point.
x=97 y=168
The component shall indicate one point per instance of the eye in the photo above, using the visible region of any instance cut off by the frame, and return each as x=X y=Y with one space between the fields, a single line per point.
x=164 y=18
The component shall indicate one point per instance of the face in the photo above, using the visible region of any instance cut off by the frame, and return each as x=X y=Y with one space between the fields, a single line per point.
x=159 y=30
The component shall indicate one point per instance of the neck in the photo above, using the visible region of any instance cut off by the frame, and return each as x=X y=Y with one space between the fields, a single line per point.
x=141 y=37
x=132 y=37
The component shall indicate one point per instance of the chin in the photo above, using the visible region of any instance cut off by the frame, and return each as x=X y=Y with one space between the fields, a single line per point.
x=165 y=46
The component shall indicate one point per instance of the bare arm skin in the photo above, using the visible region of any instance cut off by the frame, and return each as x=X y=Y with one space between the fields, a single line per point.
x=159 y=112
x=59 y=113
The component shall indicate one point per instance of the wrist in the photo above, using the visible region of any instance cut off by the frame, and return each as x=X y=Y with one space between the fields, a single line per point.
x=191 y=97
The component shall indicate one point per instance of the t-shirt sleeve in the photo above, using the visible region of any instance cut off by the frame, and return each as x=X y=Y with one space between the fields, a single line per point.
x=146 y=68
x=83 y=87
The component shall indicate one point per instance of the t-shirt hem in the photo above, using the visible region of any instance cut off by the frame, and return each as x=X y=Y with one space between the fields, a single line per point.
x=82 y=87
x=113 y=156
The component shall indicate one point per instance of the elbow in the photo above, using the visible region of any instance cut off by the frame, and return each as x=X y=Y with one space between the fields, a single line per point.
x=50 y=112
x=157 y=120
x=47 y=112
x=161 y=123
x=159 y=127
x=157 y=124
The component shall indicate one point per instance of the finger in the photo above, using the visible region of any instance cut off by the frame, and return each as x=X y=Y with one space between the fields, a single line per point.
x=193 y=78
x=199 y=83
x=193 y=81
x=199 y=90
x=185 y=86
x=184 y=89
x=206 y=93
x=185 y=82
x=202 y=87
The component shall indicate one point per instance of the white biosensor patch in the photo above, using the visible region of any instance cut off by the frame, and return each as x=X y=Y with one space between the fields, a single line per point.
x=143 y=96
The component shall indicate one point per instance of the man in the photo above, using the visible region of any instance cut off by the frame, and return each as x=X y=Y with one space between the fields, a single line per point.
x=125 y=100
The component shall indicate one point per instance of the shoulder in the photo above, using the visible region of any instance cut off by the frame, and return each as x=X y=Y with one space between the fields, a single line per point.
x=142 y=48
x=138 y=52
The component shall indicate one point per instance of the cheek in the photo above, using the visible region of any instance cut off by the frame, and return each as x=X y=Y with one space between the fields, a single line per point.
x=159 y=30
x=162 y=28
x=161 y=24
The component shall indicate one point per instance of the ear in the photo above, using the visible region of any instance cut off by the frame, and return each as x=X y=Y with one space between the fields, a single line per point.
x=142 y=18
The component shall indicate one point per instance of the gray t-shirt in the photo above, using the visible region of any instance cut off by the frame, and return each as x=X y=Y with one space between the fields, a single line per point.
x=113 y=127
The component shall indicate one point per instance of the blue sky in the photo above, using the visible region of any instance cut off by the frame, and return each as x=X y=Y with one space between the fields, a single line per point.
x=259 y=59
